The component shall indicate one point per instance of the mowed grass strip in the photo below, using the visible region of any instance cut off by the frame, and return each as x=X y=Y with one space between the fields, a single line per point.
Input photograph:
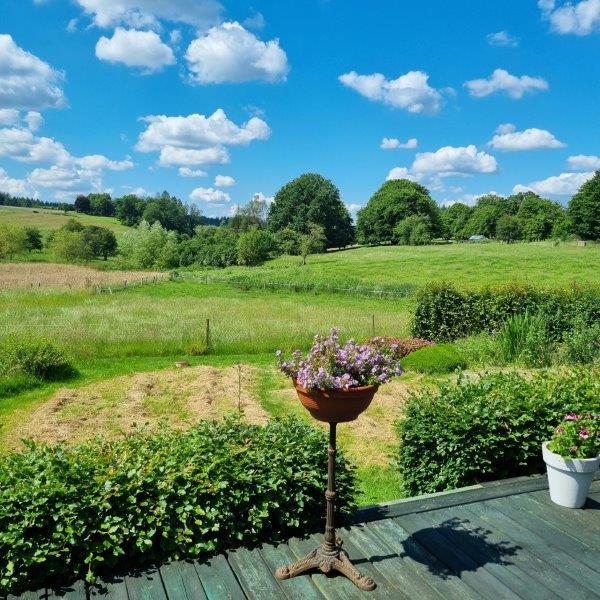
x=170 y=318
x=406 y=267
x=47 y=219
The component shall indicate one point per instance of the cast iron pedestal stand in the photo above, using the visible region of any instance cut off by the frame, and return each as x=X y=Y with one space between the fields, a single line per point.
x=329 y=556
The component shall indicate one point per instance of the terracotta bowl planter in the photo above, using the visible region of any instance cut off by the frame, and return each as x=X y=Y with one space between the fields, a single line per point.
x=336 y=406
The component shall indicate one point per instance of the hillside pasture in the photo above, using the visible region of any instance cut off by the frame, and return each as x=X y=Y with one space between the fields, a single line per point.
x=62 y=276
x=48 y=219
x=406 y=268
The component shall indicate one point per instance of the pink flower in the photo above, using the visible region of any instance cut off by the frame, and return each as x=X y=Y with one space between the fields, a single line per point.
x=572 y=417
x=584 y=434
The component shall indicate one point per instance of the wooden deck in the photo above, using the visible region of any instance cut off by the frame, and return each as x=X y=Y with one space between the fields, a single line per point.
x=500 y=540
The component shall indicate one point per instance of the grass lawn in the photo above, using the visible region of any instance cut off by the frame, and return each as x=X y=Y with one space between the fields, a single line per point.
x=48 y=219
x=407 y=267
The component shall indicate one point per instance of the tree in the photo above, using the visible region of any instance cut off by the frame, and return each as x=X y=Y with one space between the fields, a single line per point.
x=254 y=247
x=288 y=241
x=454 y=220
x=313 y=242
x=169 y=211
x=254 y=214
x=73 y=225
x=33 y=239
x=82 y=205
x=70 y=246
x=537 y=216
x=211 y=246
x=312 y=199
x=393 y=201
x=485 y=216
x=101 y=205
x=509 y=229
x=12 y=240
x=101 y=240
x=129 y=209
x=150 y=246
x=584 y=209
x=415 y=230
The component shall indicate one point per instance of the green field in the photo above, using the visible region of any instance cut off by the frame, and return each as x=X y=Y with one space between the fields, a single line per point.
x=47 y=219
x=409 y=267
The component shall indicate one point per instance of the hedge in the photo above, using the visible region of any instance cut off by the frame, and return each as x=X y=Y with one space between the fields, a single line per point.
x=70 y=512
x=445 y=313
x=492 y=428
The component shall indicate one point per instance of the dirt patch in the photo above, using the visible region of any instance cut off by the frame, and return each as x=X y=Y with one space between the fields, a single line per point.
x=57 y=276
x=178 y=397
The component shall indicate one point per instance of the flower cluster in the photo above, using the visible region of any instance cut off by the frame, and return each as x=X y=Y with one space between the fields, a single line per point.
x=331 y=365
x=578 y=436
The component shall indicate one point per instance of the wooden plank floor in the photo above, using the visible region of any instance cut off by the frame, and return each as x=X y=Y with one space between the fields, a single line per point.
x=500 y=540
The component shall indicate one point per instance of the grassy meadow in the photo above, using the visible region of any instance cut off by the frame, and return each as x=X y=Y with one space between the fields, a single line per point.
x=48 y=219
x=124 y=344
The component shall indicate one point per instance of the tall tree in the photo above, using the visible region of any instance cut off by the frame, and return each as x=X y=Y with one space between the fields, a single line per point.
x=394 y=201
x=82 y=204
x=584 y=209
x=312 y=200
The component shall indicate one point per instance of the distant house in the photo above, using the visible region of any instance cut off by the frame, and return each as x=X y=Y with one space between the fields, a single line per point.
x=478 y=238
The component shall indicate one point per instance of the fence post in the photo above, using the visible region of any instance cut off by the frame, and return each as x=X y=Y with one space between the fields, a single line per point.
x=207 y=334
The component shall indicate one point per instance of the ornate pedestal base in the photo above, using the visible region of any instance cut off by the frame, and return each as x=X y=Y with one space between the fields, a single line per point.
x=327 y=561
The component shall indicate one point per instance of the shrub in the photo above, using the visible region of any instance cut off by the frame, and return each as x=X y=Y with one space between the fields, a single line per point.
x=445 y=313
x=35 y=357
x=441 y=358
x=524 y=338
x=254 y=247
x=415 y=230
x=67 y=512
x=582 y=344
x=488 y=429
x=578 y=436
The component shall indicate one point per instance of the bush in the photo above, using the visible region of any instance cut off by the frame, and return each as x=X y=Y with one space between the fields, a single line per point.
x=445 y=313
x=441 y=358
x=399 y=347
x=524 y=338
x=67 y=512
x=415 y=230
x=254 y=247
x=35 y=357
x=488 y=429
x=582 y=344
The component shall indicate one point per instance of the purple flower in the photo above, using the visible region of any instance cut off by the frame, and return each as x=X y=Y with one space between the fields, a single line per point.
x=572 y=417
x=584 y=434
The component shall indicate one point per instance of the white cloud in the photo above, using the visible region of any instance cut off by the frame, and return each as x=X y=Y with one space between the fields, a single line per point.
x=401 y=173
x=583 y=162
x=187 y=172
x=450 y=160
x=34 y=120
x=209 y=195
x=173 y=156
x=62 y=179
x=579 y=18
x=27 y=82
x=139 y=191
x=263 y=198
x=9 y=116
x=135 y=49
x=256 y=21
x=502 y=81
x=507 y=138
x=394 y=143
x=199 y=131
x=228 y=52
x=14 y=187
x=565 y=184
x=353 y=208
x=72 y=25
x=143 y=13
x=224 y=181
x=502 y=38
x=410 y=91
x=98 y=162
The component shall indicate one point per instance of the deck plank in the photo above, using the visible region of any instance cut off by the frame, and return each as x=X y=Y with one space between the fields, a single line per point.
x=112 y=588
x=297 y=587
x=575 y=574
x=503 y=559
x=41 y=594
x=254 y=576
x=418 y=559
x=427 y=529
x=587 y=517
x=75 y=591
x=218 y=580
x=554 y=537
x=181 y=581
x=146 y=585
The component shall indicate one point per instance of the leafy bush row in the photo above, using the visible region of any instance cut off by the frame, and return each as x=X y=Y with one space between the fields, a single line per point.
x=445 y=313
x=487 y=429
x=438 y=359
x=73 y=512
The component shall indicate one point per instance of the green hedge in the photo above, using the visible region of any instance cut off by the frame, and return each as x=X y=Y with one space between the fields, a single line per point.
x=487 y=429
x=74 y=512
x=441 y=358
x=445 y=313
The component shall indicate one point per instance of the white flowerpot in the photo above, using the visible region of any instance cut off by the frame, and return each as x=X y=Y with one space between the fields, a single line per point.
x=569 y=478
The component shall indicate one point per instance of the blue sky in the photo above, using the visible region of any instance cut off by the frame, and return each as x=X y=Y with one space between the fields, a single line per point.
x=217 y=101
